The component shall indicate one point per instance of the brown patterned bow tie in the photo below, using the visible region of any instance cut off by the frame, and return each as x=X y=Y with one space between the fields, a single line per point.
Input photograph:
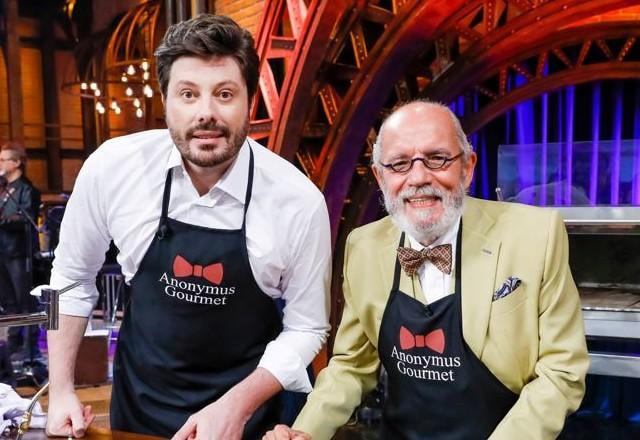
x=411 y=259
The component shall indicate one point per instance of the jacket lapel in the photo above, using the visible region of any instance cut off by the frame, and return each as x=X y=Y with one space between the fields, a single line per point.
x=387 y=257
x=479 y=262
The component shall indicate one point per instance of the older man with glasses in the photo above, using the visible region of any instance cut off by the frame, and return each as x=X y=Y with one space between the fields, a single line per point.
x=469 y=305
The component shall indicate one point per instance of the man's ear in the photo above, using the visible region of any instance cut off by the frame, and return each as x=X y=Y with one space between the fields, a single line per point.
x=377 y=173
x=469 y=167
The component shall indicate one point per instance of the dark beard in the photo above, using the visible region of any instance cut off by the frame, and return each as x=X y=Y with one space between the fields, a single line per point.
x=234 y=142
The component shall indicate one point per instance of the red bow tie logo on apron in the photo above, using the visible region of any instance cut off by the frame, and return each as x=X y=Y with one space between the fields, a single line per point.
x=182 y=268
x=434 y=340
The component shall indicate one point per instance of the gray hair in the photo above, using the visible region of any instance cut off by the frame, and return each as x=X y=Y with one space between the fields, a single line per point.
x=463 y=142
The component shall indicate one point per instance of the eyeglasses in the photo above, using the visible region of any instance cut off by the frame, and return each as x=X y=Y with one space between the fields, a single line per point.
x=434 y=162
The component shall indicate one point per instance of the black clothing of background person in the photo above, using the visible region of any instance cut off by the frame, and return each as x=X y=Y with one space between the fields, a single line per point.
x=15 y=281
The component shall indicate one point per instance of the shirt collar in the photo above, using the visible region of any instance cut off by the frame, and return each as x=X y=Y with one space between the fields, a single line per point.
x=233 y=181
x=449 y=236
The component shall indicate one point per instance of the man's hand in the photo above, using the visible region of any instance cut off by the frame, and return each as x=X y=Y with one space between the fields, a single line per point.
x=67 y=416
x=222 y=419
x=225 y=418
x=283 y=432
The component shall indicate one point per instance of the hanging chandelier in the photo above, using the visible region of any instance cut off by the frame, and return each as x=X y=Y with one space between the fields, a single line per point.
x=121 y=75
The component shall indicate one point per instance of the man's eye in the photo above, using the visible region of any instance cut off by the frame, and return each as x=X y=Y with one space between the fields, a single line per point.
x=401 y=164
x=188 y=94
x=226 y=94
x=437 y=157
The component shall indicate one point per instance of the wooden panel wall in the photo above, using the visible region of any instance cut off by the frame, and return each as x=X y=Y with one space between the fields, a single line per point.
x=33 y=95
x=4 y=99
x=33 y=113
x=246 y=13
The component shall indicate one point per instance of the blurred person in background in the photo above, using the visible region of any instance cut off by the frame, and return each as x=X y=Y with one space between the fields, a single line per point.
x=18 y=197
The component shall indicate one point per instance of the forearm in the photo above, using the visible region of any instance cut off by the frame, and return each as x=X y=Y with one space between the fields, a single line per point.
x=63 y=345
x=249 y=394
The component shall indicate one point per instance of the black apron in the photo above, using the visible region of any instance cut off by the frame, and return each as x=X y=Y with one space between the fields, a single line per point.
x=197 y=324
x=437 y=387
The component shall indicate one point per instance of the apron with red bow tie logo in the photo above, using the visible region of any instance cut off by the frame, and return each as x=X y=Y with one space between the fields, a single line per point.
x=196 y=325
x=437 y=387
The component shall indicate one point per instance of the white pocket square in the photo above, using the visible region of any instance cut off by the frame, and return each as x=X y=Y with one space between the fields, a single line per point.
x=507 y=288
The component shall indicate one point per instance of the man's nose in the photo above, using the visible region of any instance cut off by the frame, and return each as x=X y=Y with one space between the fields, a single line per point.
x=207 y=110
x=419 y=174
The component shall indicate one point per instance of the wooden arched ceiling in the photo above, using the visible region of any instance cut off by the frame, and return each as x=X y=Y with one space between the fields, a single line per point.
x=331 y=69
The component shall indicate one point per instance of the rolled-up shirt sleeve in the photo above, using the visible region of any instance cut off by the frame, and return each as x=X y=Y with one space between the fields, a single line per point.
x=305 y=286
x=84 y=239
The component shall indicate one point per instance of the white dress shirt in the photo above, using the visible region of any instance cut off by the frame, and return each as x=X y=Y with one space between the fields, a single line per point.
x=434 y=283
x=118 y=196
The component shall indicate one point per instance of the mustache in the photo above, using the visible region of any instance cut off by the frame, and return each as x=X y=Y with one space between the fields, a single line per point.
x=425 y=190
x=209 y=126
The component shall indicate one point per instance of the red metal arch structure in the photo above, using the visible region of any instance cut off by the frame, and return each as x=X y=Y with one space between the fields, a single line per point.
x=332 y=69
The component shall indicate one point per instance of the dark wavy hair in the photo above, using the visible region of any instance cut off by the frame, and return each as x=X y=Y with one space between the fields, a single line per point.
x=205 y=36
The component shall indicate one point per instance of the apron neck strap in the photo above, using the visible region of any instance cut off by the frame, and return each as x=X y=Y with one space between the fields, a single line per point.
x=458 y=265
x=163 y=227
x=247 y=197
x=396 y=271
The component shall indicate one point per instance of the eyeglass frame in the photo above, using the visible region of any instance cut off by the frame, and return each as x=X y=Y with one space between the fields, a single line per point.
x=424 y=160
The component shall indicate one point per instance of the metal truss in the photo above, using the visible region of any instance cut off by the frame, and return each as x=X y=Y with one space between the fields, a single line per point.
x=333 y=69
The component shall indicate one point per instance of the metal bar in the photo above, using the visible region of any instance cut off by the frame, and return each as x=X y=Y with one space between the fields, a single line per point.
x=612 y=315
x=23 y=319
x=49 y=297
x=69 y=287
x=614 y=365
x=612 y=328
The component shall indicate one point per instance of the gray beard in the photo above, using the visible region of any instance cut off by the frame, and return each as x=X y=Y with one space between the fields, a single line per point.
x=423 y=230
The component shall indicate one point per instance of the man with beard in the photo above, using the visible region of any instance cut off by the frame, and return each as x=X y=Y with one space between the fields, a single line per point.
x=197 y=213
x=469 y=305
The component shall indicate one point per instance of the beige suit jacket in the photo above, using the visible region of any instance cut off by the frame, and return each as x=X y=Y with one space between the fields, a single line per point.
x=532 y=340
